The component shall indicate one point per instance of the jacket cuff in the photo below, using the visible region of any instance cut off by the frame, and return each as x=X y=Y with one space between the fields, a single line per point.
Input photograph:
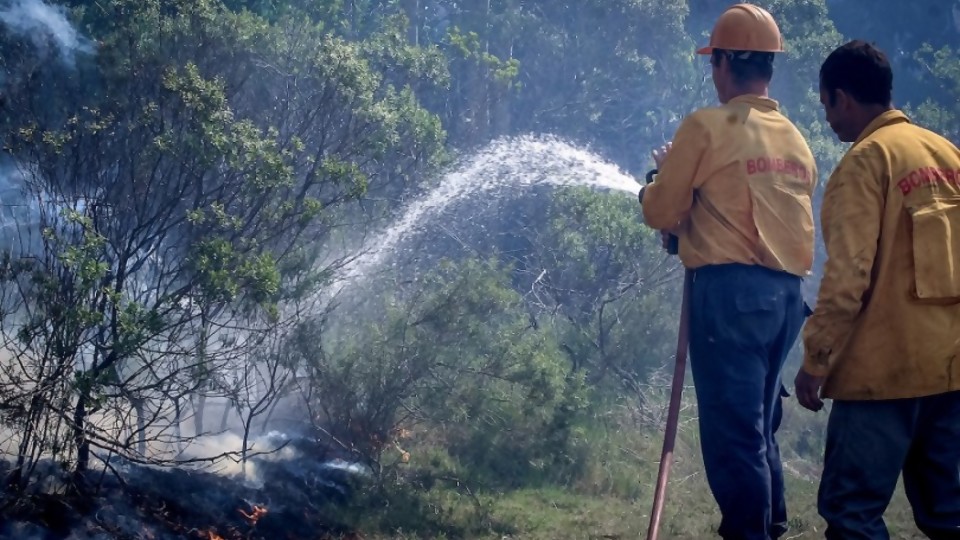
x=815 y=368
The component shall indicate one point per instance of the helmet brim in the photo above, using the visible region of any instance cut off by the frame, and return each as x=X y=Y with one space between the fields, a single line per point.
x=709 y=50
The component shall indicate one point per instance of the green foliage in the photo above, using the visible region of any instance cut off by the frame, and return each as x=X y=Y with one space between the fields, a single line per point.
x=186 y=196
x=468 y=46
x=210 y=164
x=604 y=271
x=463 y=356
x=223 y=273
x=942 y=64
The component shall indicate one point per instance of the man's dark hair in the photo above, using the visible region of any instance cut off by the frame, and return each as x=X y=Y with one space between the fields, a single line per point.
x=746 y=66
x=861 y=70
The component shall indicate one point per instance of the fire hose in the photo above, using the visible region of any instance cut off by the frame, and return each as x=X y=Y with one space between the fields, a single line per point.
x=673 y=412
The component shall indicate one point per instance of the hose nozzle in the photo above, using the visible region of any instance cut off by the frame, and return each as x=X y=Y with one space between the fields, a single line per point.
x=673 y=243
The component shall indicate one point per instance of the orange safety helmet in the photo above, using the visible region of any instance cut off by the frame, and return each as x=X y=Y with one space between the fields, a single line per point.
x=745 y=27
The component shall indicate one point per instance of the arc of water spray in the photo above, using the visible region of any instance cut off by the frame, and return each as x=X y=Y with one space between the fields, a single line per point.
x=514 y=161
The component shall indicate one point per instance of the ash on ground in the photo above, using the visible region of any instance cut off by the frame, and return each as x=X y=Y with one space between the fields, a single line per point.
x=291 y=497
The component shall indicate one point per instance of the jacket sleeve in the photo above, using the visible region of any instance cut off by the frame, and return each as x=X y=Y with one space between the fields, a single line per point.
x=667 y=201
x=851 y=216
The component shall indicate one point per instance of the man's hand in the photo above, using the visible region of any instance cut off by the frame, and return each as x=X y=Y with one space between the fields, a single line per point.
x=807 y=389
x=661 y=153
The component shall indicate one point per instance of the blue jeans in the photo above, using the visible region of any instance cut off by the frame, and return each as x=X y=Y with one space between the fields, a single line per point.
x=869 y=444
x=743 y=322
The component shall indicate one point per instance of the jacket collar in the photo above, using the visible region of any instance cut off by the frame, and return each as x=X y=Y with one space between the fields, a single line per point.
x=758 y=102
x=888 y=118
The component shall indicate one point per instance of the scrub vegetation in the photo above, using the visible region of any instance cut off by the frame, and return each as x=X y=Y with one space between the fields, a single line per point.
x=202 y=172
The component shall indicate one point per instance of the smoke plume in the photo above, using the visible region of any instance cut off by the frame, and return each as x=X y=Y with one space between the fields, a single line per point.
x=44 y=24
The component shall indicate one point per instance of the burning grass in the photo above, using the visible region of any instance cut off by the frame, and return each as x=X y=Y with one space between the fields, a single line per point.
x=293 y=501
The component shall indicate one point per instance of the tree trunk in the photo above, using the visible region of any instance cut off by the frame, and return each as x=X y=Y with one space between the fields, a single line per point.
x=226 y=416
x=266 y=420
x=500 y=95
x=80 y=439
x=15 y=479
x=198 y=407
x=243 y=447
x=201 y=399
x=177 y=430
x=412 y=9
x=138 y=406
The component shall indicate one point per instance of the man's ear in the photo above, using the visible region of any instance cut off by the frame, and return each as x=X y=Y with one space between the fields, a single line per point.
x=723 y=64
x=842 y=100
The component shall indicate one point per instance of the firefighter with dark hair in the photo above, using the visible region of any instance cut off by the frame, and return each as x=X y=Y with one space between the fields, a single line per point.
x=883 y=341
x=734 y=187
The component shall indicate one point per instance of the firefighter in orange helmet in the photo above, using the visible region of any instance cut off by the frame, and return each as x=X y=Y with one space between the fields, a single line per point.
x=735 y=188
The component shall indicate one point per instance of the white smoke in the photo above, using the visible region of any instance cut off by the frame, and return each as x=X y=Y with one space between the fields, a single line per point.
x=43 y=23
x=956 y=16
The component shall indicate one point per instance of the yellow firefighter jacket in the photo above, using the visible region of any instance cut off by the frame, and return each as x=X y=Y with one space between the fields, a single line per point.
x=887 y=320
x=736 y=187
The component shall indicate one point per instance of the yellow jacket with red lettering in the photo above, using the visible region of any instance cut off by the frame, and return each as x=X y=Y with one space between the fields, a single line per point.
x=887 y=320
x=736 y=187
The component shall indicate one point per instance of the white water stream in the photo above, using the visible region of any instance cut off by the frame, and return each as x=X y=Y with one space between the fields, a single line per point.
x=509 y=162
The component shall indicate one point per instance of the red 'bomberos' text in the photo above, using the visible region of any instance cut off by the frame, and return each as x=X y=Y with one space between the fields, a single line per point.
x=777 y=165
x=928 y=176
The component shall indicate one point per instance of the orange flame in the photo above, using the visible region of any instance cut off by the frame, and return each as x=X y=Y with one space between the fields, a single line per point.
x=213 y=536
x=254 y=516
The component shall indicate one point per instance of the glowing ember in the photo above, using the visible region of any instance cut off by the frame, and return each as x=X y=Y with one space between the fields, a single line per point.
x=254 y=516
x=213 y=536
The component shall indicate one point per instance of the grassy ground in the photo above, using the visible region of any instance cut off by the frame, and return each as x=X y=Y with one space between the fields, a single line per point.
x=552 y=514
x=614 y=498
